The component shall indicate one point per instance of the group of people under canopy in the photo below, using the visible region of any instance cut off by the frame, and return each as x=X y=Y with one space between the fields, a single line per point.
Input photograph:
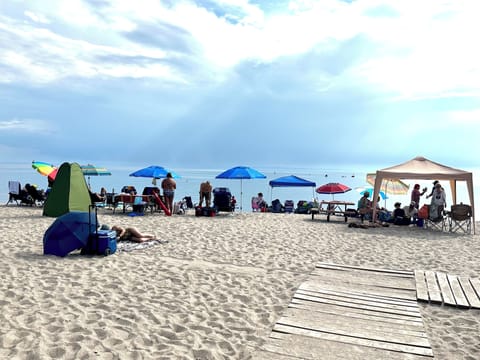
x=408 y=214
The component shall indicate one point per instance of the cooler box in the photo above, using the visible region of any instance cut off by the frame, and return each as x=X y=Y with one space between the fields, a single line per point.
x=103 y=242
x=205 y=211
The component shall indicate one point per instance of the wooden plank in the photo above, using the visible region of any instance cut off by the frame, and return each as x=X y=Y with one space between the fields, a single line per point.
x=380 y=301
x=273 y=354
x=472 y=298
x=369 y=333
x=421 y=285
x=357 y=295
x=338 y=285
x=305 y=347
x=349 y=267
x=445 y=289
x=363 y=279
x=359 y=340
x=475 y=282
x=361 y=282
x=432 y=286
x=309 y=319
x=385 y=309
x=364 y=315
x=408 y=320
x=457 y=291
x=356 y=273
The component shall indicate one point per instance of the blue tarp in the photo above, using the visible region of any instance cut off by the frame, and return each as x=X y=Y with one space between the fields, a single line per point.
x=291 y=181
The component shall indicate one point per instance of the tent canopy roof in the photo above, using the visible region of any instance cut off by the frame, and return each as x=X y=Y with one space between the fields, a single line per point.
x=291 y=181
x=422 y=168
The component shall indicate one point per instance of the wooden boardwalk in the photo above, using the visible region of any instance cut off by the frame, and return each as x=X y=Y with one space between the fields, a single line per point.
x=345 y=312
x=446 y=289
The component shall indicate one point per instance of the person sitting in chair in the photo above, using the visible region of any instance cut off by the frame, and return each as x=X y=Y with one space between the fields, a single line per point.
x=95 y=197
x=261 y=204
x=411 y=211
x=365 y=206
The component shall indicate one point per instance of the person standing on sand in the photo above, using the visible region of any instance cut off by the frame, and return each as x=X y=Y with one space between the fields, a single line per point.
x=205 y=193
x=416 y=194
x=169 y=185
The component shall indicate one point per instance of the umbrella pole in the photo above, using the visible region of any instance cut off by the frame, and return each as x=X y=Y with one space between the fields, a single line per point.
x=241 y=195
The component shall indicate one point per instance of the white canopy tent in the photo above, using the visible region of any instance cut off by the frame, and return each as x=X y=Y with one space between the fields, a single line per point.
x=424 y=169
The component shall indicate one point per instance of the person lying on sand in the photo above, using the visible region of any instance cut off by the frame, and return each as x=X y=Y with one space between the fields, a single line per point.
x=129 y=233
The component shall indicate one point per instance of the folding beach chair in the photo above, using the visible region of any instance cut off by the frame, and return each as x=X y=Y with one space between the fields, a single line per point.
x=14 y=192
x=460 y=218
x=436 y=220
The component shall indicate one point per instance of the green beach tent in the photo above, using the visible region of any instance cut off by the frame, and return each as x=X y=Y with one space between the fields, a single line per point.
x=69 y=192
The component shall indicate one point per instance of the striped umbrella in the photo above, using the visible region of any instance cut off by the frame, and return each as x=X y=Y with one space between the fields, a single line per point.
x=43 y=168
x=91 y=170
x=390 y=186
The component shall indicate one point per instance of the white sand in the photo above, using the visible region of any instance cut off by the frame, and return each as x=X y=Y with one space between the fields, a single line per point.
x=214 y=291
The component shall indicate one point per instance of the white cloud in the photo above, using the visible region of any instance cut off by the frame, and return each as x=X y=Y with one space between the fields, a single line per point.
x=39 y=18
x=26 y=125
x=417 y=49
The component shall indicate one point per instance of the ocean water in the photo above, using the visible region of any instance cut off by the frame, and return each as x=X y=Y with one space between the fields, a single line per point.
x=243 y=190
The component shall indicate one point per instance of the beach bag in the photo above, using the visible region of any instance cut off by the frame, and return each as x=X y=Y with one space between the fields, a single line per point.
x=384 y=216
x=423 y=212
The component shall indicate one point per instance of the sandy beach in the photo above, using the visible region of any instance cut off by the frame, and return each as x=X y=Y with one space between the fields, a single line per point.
x=213 y=291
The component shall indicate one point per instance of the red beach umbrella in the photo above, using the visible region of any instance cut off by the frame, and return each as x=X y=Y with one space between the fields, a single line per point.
x=332 y=188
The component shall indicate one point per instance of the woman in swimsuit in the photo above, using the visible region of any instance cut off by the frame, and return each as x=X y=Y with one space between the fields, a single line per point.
x=131 y=234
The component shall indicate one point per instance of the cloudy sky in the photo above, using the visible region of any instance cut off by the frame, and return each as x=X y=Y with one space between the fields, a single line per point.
x=215 y=83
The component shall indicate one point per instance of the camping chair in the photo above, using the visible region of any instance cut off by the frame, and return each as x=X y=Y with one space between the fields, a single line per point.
x=460 y=218
x=188 y=200
x=14 y=192
x=436 y=222
x=289 y=205
x=222 y=199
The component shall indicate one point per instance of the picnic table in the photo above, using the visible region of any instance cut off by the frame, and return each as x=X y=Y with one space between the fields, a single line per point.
x=332 y=208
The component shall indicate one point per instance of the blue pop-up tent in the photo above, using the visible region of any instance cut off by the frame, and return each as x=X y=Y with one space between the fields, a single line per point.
x=69 y=232
x=291 y=181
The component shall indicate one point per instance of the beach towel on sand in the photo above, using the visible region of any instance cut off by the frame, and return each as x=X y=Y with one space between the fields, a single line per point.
x=132 y=245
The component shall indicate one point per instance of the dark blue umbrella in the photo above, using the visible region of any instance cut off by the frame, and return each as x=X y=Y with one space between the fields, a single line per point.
x=69 y=232
x=241 y=172
x=156 y=172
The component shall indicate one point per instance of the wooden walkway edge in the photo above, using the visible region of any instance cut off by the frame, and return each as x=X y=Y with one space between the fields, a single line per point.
x=346 y=312
x=446 y=289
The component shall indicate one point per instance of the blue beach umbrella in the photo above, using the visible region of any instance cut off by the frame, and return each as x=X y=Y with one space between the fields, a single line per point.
x=155 y=172
x=362 y=190
x=240 y=173
x=69 y=232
